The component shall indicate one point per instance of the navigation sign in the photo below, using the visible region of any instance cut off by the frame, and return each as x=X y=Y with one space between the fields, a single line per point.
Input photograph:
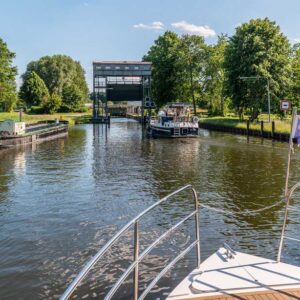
x=285 y=105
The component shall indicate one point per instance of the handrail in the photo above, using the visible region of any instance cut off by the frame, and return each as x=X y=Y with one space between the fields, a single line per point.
x=142 y=256
x=137 y=258
x=166 y=269
x=287 y=208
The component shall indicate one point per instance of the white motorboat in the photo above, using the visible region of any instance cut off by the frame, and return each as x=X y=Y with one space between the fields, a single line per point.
x=174 y=122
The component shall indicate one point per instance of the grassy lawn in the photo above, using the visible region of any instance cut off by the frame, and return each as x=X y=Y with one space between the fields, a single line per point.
x=37 y=118
x=281 y=126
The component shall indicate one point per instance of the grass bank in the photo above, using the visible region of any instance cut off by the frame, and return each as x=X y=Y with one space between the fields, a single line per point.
x=72 y=118
x=281 y=126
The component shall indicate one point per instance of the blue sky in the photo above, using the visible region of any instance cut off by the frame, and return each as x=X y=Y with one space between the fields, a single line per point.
x=90 y=30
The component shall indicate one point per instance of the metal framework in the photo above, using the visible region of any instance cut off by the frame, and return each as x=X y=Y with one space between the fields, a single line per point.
x=138 y=257
x=287 y=208
x=119 y=81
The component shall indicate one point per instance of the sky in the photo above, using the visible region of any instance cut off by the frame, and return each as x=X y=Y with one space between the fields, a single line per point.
x=89 y=30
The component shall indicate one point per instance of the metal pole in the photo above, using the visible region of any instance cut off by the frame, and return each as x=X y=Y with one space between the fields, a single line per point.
x=283 y=228
x=269 y=99
x=143 y=101
x=268 y=90
x=136 y=258
x=286 y=193
x=106 y=97
x=197 y=228
x=94 y=99
x=289 y=155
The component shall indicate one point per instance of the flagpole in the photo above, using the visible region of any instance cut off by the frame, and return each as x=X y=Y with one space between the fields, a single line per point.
x=290 y=153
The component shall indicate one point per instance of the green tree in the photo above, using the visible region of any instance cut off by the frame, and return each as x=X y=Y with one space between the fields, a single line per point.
x=58 y=71
x=257 y=49
x=72 y=99
x=193 y=59
x=295 y=75
x=214 y=80
x=8 y=95
x=33 y=90
x=166 y=70
x=52 y=104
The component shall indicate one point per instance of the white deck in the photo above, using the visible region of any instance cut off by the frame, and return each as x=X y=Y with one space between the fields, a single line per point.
x=241 y=274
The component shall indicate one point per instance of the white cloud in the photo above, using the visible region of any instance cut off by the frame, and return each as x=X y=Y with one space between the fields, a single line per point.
x=154 y=26
x=296 y=41
x=204 y=31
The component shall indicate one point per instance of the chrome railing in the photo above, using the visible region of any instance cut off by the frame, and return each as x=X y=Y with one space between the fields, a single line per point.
x=134 y=267
x=287 y=208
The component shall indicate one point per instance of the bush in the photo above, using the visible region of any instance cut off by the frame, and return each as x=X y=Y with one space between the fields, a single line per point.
x=73 y=99
x=53 y=104
x=37 y=110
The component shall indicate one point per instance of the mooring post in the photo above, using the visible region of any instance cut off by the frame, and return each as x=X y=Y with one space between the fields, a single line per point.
x=20 y=114
x=273 y=129
x=262 y=128
x=248 y=126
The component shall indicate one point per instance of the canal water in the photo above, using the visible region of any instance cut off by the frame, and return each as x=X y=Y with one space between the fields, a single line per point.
x=61 y=200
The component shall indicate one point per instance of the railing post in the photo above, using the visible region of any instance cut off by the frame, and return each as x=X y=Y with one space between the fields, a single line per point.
x=288 y=196
x=283 y=227
x=136 y=257
x=197 y=228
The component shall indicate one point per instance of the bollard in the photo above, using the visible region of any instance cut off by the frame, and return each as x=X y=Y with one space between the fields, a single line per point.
x=262 y=128
x=21 y=115
x=248 y=126
x=273 y=129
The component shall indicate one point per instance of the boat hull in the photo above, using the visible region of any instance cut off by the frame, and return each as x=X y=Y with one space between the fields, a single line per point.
x=164 y=132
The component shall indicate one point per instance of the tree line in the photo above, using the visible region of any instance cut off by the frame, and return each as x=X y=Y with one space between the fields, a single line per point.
x=229 y=76
x=51 y=84
x=232 y=74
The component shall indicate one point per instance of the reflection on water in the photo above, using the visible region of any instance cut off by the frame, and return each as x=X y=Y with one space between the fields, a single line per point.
x=61 y=200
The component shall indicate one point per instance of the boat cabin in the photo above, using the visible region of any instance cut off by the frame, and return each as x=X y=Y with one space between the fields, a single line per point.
x=174 y=120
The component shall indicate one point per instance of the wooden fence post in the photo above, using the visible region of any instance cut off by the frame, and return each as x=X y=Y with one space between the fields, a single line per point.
x=262 y=128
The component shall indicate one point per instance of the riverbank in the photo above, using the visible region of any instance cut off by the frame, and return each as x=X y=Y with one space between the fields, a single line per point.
x=72 y=118
x=277 y=129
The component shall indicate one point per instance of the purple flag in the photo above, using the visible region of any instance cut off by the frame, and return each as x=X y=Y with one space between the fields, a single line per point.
x=296 y=129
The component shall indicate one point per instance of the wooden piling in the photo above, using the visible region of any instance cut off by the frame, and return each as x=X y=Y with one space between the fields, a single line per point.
x=273 y=129
x=248 y=126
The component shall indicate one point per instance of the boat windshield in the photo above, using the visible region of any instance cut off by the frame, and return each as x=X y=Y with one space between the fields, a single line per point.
x=178 y=110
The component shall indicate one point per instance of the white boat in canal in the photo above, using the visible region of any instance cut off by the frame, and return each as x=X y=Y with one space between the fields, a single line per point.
x=225 y=275
x=174 y=122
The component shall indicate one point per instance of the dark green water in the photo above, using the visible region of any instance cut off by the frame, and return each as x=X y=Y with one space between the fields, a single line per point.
x=61 y=200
